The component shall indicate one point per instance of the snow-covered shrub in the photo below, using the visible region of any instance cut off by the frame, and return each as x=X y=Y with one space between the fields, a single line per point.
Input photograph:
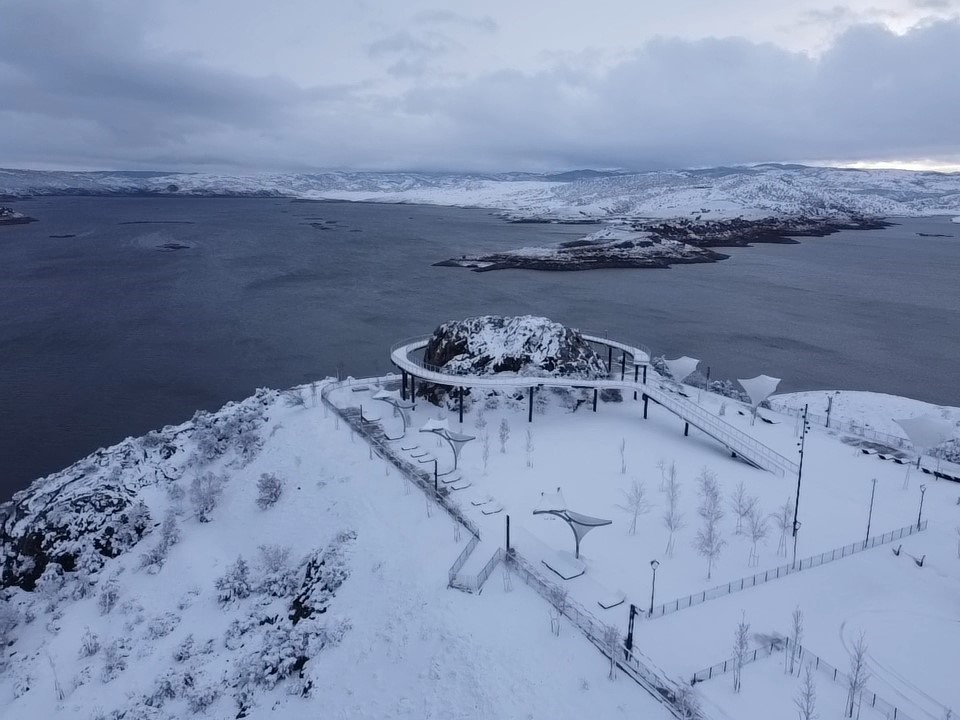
x=294 y=397
x=248 y=443
x=89 y=643
x=134 y=523
x=162 y=625
x=154 y=558
x=176 y=495
x=235 y=583
x=9 y=619
x=114 y=660
x=169 y=530
x=50 y=584
x=205 y=492
x=201 y=698
x=87 y=566
x=169 y=686
x=269 y=488
x=21 y=686
x=277 y=578
x=109 y=594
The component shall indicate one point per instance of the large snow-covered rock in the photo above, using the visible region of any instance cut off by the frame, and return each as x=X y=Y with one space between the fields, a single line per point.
x=524 y=345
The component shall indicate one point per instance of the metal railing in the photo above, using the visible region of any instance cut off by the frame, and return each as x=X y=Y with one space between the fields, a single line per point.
x=656 y=683
x=783 y=571
x=845 y=425
x=866 y=697
x=737 y=441
x=730 y=664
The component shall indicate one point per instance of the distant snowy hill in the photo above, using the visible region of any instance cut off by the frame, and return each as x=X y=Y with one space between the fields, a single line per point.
x=758 y=191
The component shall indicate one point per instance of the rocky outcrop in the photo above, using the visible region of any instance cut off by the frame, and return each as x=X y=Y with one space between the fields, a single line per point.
x=525 y=345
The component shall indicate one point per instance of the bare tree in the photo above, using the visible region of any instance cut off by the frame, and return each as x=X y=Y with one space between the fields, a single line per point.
x=784 y=521
x=806 y=698
x=858 y=674
x=504 y=435
x=635 y=503
x=557 y=595
x=623 y=456
x=611 y=640
x=709 y=540
x=480 y=421
x=205 y=492
x=662 y=467
x=741 y=503
x=796 y=639
x=672 y=518
x=958 y=541
x=293 y=397
x=529 y=448
x=686 y=702
x=758 y=526
x=740 y=641
x=485 y=444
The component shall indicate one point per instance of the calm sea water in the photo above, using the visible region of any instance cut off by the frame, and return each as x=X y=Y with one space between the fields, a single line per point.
x=102 y=335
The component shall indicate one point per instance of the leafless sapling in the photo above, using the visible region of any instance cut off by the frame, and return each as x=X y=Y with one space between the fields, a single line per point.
x=635 y=503
x=758 y=526
x=529 y=448
x=611 y=640
x=806 y=698
x=740 y=642
x=709 y=541
x=672 y=517
x=485 y=445
x=623 y=456
x=504 y=435
x=784 y=521
x=557 y=595
x=858 y=675
x=796 y=638
x=741 y=503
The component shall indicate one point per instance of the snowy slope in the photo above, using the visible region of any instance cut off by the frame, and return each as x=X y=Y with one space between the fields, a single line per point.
x=718 y=192
x=391 y=642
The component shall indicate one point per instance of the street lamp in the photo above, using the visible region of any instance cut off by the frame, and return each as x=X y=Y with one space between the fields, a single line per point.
x=923 y=489
x=796 y=505
x=653 y=587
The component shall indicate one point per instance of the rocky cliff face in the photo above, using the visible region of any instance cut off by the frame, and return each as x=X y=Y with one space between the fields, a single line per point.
x=525 y=345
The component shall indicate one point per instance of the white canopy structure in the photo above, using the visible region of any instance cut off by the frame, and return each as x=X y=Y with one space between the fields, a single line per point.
x=580 y=524
x=681 y=368
x=759 y=389
x=926 y=432
x=392 y=397
x=455 y=439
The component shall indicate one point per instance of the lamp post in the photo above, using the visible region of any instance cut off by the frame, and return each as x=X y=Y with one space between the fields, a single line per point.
x=653 y=587
x=923 y=489
x=870 y=515
x=796 y=504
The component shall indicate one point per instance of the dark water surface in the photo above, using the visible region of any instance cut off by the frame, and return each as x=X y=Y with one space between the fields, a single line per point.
x=103 y=335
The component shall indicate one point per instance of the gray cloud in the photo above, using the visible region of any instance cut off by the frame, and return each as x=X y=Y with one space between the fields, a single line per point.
x=92 y=90
x=484 y=23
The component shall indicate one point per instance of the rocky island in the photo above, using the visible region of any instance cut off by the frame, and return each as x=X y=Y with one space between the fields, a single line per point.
x=660 y=244
x=9 y=216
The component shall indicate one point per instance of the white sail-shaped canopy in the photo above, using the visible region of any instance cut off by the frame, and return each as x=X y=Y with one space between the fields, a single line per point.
x=927 y=431
x=580 y=524
x=681 y=368
x=759 y=388
x=432 y=425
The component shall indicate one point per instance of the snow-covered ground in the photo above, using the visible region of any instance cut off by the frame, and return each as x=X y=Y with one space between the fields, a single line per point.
x=750 y=192
x=398 y=643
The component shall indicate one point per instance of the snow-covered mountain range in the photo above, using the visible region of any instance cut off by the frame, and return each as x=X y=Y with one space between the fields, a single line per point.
x=759 y=191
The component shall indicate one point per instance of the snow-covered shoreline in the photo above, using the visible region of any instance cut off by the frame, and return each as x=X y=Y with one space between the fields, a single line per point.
x=747 y=192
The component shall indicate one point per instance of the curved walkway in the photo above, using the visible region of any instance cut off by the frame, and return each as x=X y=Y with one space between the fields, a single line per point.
x=736 y=441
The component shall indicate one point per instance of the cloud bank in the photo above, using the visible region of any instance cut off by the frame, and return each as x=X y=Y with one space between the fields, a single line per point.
x=82 y=85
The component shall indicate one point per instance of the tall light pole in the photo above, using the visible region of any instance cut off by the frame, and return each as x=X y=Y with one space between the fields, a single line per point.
x=796 y=504
x=923 y=489
x=870 y=515
x=653 y=587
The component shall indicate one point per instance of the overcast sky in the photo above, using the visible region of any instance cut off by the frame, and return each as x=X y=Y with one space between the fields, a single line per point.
x=238 y=85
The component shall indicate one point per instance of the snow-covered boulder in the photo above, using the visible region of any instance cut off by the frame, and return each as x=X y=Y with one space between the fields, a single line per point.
x=524 y=345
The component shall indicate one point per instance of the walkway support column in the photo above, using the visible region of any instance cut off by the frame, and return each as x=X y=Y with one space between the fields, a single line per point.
x=594 y=399
x=636 y=376
x=460 y=394
x=403 y=384
x=529 y=405
x=644 y=374
x=609 y=359
x=413 y=389
x=645 y=400
x=686 y=429
x=623 y=364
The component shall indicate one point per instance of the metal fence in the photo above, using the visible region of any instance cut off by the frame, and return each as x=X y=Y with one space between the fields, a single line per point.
x=866 y=698
x=373 y=433
x=784 y=570
x=730 y=664
x=673 y=696
x=845 y=425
